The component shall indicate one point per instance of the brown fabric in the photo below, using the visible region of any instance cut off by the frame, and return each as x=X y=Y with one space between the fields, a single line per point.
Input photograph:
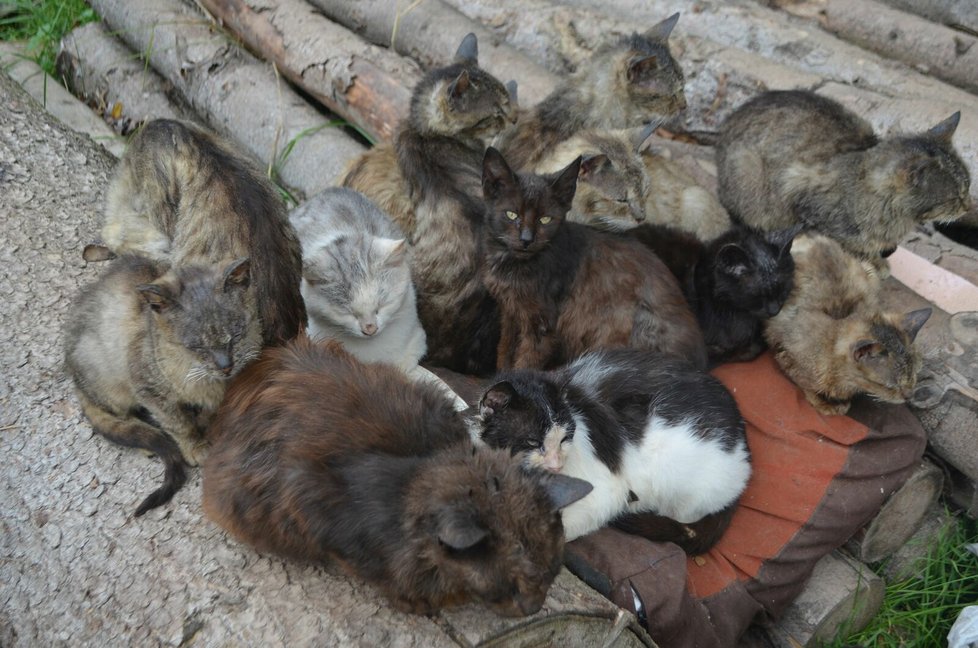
x=816 y=481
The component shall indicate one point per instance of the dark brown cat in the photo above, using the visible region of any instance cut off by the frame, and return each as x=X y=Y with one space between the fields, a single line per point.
x=629 y=83
x=796 y=157
x=182 y=196
x=564 y=288
x=150 y=356
x=317 y=457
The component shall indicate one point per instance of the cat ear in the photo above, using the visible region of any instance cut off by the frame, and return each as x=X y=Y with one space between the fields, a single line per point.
x=468 y=50
x=564 y=185
x=496 y=398
x=659 y=33
x=159 y=296
x=496 y=174
x=783 y=238
x=513 y=89
x=564 y=491
x=733 y=260
x=914 y=321
x=641 y=66
x=591 y=164
x=237 y=274
x=864 y=349
x=945 y=130
x=392 y=251
x=458 y=530
x=460 y=85
x=639 y=137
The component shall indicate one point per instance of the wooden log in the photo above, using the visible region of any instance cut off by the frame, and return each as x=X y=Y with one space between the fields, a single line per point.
x=953 y=13
x=841 y=592
x=238 y=96
x=114 y=82
x=368 y=85
x=943 y=52
x=429 y=31
x=900 y=517
x=909 y=560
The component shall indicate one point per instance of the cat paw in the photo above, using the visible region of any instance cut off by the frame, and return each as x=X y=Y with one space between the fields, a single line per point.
x=828 y=407
x=194 y=454
x=412 y=606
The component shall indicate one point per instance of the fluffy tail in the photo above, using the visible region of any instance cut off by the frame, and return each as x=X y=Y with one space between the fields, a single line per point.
x=136 y=433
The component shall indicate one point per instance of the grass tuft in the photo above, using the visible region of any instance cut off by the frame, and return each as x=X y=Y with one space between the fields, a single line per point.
x=42 y=23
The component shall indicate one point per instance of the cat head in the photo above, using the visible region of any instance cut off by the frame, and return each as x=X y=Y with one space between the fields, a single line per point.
x=490 y=527
x=753 y=270
x=209 y=312
x=925 y=175
x=357 y=283
x=882 y=359
x=645 y=77
x=525 y=211
x=463 y=100
x=526 y=413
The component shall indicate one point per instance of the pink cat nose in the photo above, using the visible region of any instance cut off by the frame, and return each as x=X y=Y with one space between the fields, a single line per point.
x=369 y=328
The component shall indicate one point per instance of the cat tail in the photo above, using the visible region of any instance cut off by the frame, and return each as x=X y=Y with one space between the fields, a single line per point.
x=135 y=433
x=694 y=538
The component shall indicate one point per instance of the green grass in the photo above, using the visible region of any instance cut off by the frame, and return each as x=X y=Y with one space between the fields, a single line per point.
x=42 y=23
x=918 y=612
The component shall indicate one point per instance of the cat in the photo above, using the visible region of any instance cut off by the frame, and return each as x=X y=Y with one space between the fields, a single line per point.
x=317 y=456
x=563 y=288
x=733 y=283
x=663 y=443
x=151 y=351
x=832 y=338
x=183 y=196
x=791 y=157
x=626 y=84
x=356 y=278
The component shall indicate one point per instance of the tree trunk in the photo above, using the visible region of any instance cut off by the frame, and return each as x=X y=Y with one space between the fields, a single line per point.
x=430 y=31
x=953 y=13
x=368 y=85
x=237 y=95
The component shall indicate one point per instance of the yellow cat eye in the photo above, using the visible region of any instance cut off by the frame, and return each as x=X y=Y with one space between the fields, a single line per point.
x=545 y=219
x=512 y=215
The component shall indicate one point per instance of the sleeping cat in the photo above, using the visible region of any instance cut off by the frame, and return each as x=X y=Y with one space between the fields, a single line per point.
x=563 y=288
x=356 y=278
x=629 y=83
x=732 y=283
x=663 y=443
x=796 y=157
x=182 y=196
x=831 y=337
x=319 y=457
x=151 y=353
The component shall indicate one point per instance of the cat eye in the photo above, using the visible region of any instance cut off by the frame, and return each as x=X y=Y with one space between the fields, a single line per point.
x=545 y=219
x=512 y=215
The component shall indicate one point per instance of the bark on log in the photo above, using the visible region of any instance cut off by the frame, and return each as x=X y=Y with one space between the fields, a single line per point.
x=111 y=79
x=841 y=591
x=941 y=51
x=237 y=95
x=909 y=561
x=952 y=13
x=900 y=517
x=368 y=85
x=76 y=568
x=430 y=31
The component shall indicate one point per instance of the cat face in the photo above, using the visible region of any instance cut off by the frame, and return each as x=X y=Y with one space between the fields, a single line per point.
x=527 y=415
x=463 y=100
x=495 y=527
x=210 y=312
x=753 y=270
x=525 y=212
x=612 y=184
x=885 y=362
x=652 y=78
x=358 y=283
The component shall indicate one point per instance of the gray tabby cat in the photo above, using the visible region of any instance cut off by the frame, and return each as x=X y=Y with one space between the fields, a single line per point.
x=356 y=278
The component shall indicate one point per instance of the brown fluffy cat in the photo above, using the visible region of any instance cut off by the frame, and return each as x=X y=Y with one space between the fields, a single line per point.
x=832 y=339
x=150 y=355
x=319 y=457
x=796 y=157
x=629 y=83
x=182 y=196
x=563 y=288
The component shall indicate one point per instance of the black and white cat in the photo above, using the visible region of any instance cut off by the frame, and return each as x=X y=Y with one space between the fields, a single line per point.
x=650 y=432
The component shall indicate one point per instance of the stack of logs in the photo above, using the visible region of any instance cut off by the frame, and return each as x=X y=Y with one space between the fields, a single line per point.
x=274 y=75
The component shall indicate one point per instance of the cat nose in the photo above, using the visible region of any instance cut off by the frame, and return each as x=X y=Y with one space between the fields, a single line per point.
x=222 y=360
x=369 y=328
x=526 y=237
x=773 y=308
